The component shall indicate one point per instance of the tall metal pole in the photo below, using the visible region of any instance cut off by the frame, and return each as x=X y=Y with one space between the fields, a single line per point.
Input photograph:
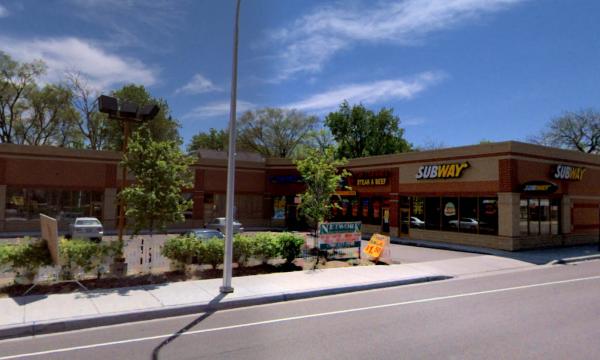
x=123 y=183
x=227 y=263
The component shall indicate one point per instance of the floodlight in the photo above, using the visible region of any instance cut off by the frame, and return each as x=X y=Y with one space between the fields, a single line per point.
x=128 y=109
x=148 y=112
x=107 y=104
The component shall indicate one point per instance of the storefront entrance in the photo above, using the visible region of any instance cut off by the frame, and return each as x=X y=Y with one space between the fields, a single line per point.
x=385 y=220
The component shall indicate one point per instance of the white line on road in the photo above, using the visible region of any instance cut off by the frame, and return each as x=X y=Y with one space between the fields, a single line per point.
x=292 y=318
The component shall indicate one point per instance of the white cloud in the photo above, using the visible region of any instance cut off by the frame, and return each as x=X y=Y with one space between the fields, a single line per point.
x=368 y=93
x=316 y=37
x=198 y=85
x=101 y=68
x=3 y=11
x=215 y=109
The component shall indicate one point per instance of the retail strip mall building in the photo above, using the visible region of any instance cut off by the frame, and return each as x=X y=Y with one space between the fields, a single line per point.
x=506 y=195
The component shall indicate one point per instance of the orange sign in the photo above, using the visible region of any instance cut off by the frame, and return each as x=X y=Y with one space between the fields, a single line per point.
x=376 y=245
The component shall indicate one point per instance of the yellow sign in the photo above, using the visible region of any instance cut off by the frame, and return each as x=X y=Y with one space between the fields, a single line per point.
x=376 y=245
x=442 y=171
x=371 y=182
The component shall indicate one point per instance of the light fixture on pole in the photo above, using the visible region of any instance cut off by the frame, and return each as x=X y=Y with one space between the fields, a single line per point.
x=127 y=112
x=229 y=213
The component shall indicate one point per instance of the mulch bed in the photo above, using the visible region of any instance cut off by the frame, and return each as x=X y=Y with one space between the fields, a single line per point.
x=139 y=280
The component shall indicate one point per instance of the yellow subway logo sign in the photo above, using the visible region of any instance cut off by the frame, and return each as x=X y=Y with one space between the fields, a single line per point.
x=566 y=172
x=442 y=171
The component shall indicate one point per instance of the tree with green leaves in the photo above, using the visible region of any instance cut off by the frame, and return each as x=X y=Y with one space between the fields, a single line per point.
x=360 y=132
x=578 y=130
x=274 y=132
x=49 y=120
x=321 y=173
x=162 y=128
x=161 y=172
x=213 y=140
x=17 y=81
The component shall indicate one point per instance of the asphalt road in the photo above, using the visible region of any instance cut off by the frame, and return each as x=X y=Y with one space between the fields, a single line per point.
x=543 y=313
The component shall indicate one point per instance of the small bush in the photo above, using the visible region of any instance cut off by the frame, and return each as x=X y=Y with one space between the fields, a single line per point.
x=181 y=249
x=290 y=246
x=25 y=258
x=84 y=254
x=266 y=246
x=243 y=248
x=214 y=251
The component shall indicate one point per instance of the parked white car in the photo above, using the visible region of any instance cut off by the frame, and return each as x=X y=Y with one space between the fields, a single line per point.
x=220 y=224
x=86 y=228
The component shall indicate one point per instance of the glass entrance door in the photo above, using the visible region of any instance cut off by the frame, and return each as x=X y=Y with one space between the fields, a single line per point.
x=385 y=220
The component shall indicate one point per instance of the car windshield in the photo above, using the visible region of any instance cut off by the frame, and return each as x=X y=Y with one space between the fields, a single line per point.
x=87 y=222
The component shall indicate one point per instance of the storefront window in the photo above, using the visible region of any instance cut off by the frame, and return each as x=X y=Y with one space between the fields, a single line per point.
x=488 y=216
x=376 y=213
x=449 y=213
x=477 y=215
x=432 y=213
x=523 y=218
x=539 y=216
x=279 y=208
x=554 y=216
x=365 y=210
x=27 y=204
x=468 y=215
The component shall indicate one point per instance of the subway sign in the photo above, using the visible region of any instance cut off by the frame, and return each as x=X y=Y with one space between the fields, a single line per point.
x=538 y=187
x=442 y=171
x=566 y=172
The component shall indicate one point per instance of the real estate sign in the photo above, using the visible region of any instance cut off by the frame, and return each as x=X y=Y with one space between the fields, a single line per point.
x=339 y=232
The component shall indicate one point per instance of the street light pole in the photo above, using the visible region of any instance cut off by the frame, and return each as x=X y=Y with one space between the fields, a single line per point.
x=227 y=262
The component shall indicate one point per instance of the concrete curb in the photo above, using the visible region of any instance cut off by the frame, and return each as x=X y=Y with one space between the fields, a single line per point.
x=574 y=259
x=60 y=325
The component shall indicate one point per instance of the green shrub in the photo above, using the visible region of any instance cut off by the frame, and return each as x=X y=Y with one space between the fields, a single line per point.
x=266 y=246
x=290 y=246
x=181 y=249
x=84 y=254
x=214 y=250
x=26 y=257
x=243 y=248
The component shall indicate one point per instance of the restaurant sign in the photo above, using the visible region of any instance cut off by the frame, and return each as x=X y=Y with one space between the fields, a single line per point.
x=372 y=178
x=538 y=187
x=442 y=171
x=566 y=172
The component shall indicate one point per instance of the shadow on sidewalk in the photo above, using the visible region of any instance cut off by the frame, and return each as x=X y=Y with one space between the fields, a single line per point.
x=159 y=348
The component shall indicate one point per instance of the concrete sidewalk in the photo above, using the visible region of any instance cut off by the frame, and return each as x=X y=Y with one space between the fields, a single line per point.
x=38 y=314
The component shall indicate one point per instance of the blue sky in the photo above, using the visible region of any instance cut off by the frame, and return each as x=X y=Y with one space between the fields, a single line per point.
x=455 y=71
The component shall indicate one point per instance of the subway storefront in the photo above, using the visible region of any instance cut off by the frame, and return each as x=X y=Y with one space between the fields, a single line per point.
x=506 y=195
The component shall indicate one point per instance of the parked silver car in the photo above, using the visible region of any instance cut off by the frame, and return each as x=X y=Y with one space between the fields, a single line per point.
x=465 y=223
x=220 y=224
x=86 y=228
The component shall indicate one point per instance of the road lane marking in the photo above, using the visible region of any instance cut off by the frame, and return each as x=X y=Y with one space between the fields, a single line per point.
x=300 y=317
